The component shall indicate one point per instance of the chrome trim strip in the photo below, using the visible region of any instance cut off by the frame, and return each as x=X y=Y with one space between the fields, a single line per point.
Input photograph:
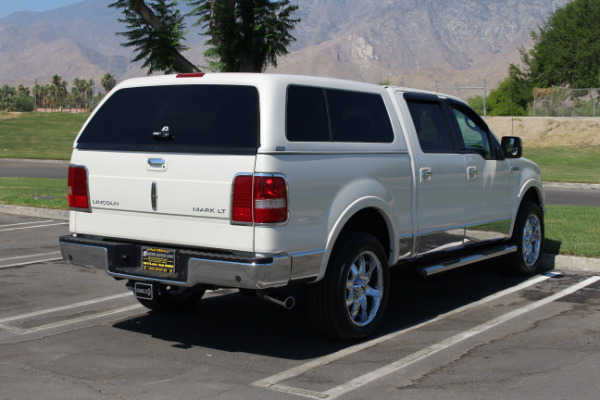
x=153 y=196
x=333 y=153
x=462 y=226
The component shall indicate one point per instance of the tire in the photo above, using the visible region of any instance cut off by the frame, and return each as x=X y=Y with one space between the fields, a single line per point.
x=349 y=303
x=170 y=299
x=528 y=236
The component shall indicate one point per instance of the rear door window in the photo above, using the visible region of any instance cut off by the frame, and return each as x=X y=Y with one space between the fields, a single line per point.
x=177 y=118
x=431 y=125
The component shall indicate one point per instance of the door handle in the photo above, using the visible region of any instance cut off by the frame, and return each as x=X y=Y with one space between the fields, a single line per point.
x=472 y=173
x=159 y=163
x=426 y=174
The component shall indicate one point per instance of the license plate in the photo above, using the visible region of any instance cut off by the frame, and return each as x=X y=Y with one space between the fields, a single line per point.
x=158 y=260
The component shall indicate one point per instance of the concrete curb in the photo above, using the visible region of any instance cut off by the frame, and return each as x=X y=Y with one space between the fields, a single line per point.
x=567 y=185
x=35 y=212
x=549 y=261
x=571 y=263
x=34 y=160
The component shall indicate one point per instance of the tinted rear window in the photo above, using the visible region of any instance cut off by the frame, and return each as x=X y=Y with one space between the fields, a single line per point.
x=431 y=126
x=198 y=118
x=322 y=115
x=307 y=119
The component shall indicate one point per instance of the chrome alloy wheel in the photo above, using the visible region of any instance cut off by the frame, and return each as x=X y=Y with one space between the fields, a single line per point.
x=364 y=288
x=532 y=240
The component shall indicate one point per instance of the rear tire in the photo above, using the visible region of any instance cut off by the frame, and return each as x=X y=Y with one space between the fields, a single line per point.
x=528 y=236
x=349 y=303
x=170 y=299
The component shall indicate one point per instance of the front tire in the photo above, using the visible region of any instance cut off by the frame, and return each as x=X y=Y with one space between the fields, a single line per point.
x=349 y=303
x=528 y=236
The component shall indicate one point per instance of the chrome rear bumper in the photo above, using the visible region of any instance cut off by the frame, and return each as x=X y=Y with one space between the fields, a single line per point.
x=121 y=260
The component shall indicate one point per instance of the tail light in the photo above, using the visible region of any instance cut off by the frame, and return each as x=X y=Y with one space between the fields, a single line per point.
x=78 y=188
x=259 y=199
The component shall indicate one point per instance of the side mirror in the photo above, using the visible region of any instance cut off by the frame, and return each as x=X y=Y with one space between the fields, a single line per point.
x=512 y=147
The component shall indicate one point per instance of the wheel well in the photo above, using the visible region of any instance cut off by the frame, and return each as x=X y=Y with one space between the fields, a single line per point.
x=370 y=221
x=533 y=196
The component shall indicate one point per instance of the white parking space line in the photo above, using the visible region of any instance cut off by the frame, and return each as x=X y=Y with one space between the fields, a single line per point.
x=22 y=331
x=32 y=227
x=69 y=321
x=420 y=355
x=19 y=264
x=273 y=381
x=29 y=256
x=27 y=223
x=64 y=308
x=66 y=320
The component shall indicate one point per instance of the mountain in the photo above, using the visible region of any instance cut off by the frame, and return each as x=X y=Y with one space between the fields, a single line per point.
x=409 y=42
x=414 y=42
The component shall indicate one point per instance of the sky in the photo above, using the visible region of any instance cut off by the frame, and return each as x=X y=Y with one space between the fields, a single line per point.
x=10 y=6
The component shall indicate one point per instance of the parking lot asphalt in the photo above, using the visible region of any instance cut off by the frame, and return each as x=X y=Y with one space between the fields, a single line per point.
x=73 y=332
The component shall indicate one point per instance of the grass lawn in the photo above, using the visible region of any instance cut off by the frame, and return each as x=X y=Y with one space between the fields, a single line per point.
x=34 y=192
x=39 y=135
x=570 y=164
x=573 y=231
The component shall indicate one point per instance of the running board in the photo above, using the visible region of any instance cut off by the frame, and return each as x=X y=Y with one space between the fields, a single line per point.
x=470 y=259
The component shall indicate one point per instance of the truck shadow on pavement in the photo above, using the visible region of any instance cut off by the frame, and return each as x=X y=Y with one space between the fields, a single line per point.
x=237 y=323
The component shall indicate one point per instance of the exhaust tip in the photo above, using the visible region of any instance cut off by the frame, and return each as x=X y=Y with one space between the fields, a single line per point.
x=287 y=302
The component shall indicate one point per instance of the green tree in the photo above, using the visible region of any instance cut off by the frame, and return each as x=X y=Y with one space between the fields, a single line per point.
x=476 y=104
x=245 y=35
x=108 y=82
x=23 y=104
x=23 y=91
x=51 y=96
x=512 y=97
x=7 y=97
x=76 y=93
x=156 y=31
x=61 y=90
x=566 y=50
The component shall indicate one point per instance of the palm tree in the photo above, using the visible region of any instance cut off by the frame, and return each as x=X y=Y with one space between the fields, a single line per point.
x=61 y=89
x=52 y=96
x=108 y=82
x=89 y=93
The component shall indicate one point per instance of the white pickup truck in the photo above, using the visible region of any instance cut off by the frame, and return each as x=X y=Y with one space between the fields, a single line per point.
x=192 y=182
